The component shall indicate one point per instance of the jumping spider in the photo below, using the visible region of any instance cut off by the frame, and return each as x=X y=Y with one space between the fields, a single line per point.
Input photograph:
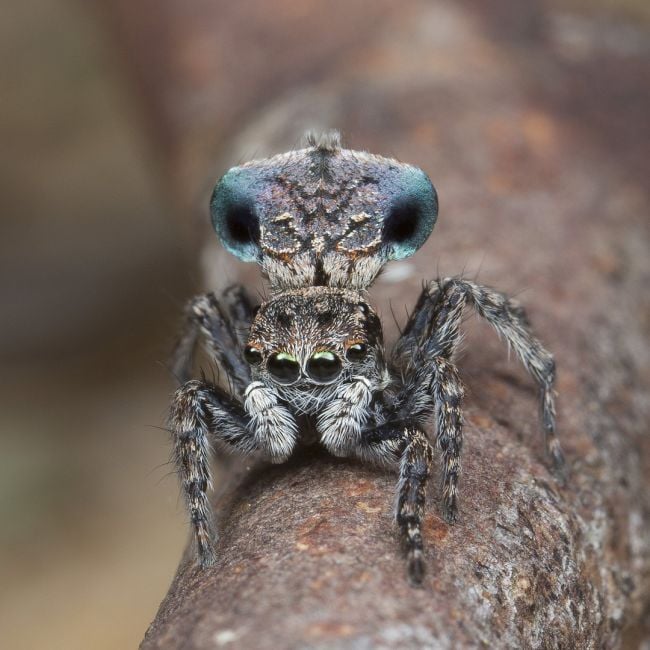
x=322 y=221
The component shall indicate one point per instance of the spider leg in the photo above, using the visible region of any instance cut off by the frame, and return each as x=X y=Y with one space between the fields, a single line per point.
x=431 y=384
x=447 y=390
x=434 y=327
x=240 y=309
x=415 y=467
x=407 y=445
x=196 y=408
x=343 y=426
x=223 y=324
x=200 y=412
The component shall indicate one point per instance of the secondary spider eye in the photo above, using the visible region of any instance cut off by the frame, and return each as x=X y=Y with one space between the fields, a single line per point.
x=324 y=366
x=356 y=352
x=232 y=208
x=252 y=355
x=412 y=215
x=284 y=367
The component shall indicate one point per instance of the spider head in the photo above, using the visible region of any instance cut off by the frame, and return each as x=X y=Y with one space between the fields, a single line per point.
x=323 y=215
x=314 y=337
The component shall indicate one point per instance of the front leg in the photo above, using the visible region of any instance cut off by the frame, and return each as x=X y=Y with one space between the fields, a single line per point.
x=432 y=385
x=447 y=390
x=200 y=412
x=415 y=467
x=406 y=445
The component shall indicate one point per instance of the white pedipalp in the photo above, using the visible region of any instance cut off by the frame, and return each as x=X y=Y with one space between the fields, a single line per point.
x=273 y=426
x=342 y=421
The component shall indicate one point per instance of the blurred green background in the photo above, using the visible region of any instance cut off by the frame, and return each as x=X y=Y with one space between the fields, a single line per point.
x=95 y=264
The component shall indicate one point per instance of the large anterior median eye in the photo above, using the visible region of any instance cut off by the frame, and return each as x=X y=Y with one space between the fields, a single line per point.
x=323 y=367
x=284 y=367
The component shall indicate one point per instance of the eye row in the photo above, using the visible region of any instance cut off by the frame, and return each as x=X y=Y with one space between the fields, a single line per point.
x=322 y=367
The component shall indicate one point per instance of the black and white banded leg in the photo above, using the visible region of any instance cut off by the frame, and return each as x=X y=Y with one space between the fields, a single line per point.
x=202 y=413
x=240 y=309
x=415 y=467
x=223 y=325
x=432 y=383
x=407 y=446
x=447 y=390
x=435 y=326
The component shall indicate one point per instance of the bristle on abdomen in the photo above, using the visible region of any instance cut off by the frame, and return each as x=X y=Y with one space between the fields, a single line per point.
x=325 y=141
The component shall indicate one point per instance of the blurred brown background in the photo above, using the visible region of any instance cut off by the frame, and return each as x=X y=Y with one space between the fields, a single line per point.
x=92 y=275
x=114 y=119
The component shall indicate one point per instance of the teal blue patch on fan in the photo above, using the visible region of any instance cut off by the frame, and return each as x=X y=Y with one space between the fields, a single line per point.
x=411 y=216
x=234 y=215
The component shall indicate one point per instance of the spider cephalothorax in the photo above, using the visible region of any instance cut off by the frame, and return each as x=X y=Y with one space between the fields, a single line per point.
x=323 y=215
x=311 y=339
x=311 y=359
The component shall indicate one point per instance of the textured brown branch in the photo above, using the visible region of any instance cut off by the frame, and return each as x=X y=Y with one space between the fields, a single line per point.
x=540 y=179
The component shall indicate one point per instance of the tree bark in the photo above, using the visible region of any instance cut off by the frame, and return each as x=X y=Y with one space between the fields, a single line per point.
x=541 y=179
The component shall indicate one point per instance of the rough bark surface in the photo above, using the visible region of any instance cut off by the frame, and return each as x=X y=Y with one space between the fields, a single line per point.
x=539 y=159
